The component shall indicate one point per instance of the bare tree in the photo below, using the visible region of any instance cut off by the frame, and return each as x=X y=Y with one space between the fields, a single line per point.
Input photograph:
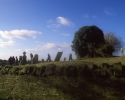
x=114 y=41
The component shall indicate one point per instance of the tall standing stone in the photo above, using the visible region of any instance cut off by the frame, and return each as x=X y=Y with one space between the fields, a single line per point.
x=35 y=59
x=20 y=60
x=24 y=61
x=31 y=56
x=122 y=52
x=58 y=56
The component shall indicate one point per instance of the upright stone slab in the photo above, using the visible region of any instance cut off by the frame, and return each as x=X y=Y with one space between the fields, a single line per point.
x=20 y=60
x=24 y=61
x=31 y=56
x=35 y=59
x=42 y=60
x=58 y=56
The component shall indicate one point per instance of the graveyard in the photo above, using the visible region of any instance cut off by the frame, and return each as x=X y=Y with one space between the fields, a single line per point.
x=84 y=79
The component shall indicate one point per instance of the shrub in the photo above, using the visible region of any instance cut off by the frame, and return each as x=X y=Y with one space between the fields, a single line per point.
x=92 y=66
x=81 y=70
x=31 y=70
x=50 y=68
x=59 y=70
x=123 y=71
x=117 y=68
x=73 y=72
x=23 y=70
x=96 y=72
x=105 y=65
x=66 y=70
x=4 y=71
x=15 y=70
x=40 y=70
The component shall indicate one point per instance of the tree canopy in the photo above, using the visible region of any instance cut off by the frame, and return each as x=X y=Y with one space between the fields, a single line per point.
x=113 y=40
x=89 y=41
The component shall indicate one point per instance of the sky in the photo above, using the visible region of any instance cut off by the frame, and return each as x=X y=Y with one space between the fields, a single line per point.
x=48 y=26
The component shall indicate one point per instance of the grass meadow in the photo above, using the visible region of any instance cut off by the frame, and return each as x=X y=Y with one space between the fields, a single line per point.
x=29 y=87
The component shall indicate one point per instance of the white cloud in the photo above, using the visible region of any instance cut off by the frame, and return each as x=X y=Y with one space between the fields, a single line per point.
x=9 y=43
x=56 y=25
x=66 y=34
x=6 y=37
x=109 y=11
x=47 y=46
x=94 y=16
x=19 y=50
x=55 y=30
x=85 y=15
x=59 y=22
x=50 y=21
x=22 y=34
x=64 y=21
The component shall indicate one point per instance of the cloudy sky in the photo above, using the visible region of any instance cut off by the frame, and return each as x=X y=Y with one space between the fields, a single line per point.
x=48 y=26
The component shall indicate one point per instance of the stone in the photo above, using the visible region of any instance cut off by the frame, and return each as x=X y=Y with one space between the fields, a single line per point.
x=58 y=56
x=42 y=60
x=24 y=61
x=31 y=56
x=35 y=59
x=20 y=60
x=122 y=52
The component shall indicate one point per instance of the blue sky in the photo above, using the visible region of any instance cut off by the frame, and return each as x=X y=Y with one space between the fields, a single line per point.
x=48 y=26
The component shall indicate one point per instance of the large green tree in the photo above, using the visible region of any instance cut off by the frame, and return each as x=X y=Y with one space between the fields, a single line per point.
x=89 y=41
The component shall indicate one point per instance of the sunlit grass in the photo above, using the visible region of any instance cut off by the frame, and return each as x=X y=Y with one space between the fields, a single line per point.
x=28 y=87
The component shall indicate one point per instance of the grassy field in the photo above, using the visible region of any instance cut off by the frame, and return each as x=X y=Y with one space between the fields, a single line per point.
x=109 y=60
x=27 y=87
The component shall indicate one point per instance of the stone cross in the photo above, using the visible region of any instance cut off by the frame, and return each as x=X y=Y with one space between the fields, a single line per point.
x=24 y=52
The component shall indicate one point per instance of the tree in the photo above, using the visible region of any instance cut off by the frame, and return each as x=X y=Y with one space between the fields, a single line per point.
x=113 y=40
x=87 y=40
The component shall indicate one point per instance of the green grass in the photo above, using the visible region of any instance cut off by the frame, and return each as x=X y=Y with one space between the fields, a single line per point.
x=28 y=87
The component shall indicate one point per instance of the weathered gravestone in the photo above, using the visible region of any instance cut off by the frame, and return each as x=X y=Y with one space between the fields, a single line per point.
x=24 y=61
x=35 y=59
x=42 y=60
x=20 y=60
x=58 y=56
x=31 y=56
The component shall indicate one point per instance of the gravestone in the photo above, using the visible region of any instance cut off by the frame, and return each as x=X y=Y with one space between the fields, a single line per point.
x=35 y=59
x=42 y=60
x=122 y=52
x=20 y=60
x=31 y=56
x=58 y=56
x=24 y=61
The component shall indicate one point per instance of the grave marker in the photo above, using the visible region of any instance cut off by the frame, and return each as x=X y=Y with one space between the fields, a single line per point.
x=58 y=56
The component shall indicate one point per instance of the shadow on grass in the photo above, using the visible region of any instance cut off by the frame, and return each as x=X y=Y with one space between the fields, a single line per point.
x=77 y=89
x=89 y=89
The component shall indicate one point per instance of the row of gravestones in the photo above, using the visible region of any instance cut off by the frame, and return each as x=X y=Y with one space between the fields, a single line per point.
x=34 y=59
